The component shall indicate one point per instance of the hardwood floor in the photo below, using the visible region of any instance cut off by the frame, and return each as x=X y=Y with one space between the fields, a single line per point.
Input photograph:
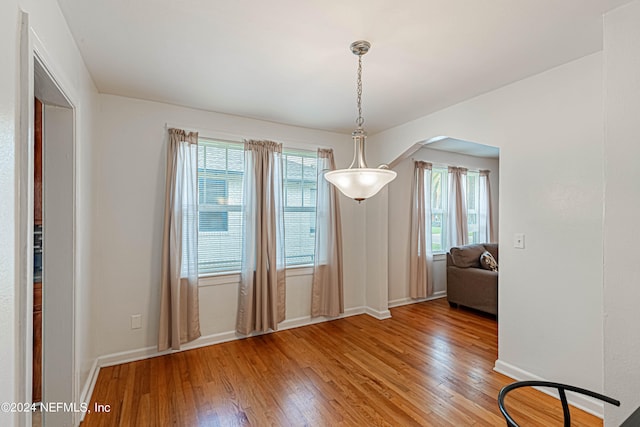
x=428 y=365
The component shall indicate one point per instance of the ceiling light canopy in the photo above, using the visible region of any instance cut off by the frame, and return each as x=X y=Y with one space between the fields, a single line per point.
x=360 y=182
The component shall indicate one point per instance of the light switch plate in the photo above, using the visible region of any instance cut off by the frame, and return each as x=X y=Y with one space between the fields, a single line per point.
x=518 y=240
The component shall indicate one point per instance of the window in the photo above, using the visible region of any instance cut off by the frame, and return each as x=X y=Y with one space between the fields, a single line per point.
x=300 y=175
x=212 y=194
x=220 y=173
x=473 y=197
x=439 y=206
x=220 y=216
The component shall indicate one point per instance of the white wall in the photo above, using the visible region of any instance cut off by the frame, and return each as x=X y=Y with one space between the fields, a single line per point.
x=129 y=187
x=9 y=29
x=549 y=130
x=400 y=217
x=62 y=57
x=622 y=180
x=376 y=250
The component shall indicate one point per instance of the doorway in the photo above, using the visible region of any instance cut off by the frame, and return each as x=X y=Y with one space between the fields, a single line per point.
x=57 y=237
x=441 y=152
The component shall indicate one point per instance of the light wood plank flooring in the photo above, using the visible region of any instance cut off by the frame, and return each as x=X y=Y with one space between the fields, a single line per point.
x=427 y=365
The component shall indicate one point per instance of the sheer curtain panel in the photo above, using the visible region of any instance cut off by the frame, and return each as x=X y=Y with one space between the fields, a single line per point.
x=457 y=229
x=420 y=259
x=327 y=291
x=261 y=299
x=485 y=217
x=179 y=317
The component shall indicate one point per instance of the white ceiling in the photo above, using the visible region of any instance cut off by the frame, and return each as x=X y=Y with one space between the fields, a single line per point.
x=289 y=61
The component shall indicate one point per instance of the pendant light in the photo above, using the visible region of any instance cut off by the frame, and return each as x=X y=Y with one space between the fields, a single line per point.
x=360 y=182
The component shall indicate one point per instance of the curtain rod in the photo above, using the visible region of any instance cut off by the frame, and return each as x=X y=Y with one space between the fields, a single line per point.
x=446 y=165
x=226 y=136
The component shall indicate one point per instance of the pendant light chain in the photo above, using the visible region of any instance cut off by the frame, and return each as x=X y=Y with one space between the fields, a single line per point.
x=359 y=120
x=359 y=181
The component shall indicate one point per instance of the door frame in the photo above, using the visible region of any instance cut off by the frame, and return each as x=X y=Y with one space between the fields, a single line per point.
x=32 y=50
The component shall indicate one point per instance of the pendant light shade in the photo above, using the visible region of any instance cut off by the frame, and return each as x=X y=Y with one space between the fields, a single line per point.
x=360 y=182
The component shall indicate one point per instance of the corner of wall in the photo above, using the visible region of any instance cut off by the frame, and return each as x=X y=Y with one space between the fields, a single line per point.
x=377 y=252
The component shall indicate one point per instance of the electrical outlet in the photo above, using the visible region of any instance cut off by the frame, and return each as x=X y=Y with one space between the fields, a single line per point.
x=518 y=240
x=136 y=321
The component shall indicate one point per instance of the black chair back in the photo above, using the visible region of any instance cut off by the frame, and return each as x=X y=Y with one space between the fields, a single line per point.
x=562 y=388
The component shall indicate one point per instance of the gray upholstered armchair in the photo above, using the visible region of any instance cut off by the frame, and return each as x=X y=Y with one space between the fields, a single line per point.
x=468 y=283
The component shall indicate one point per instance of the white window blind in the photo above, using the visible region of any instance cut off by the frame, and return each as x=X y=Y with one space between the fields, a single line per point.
x=300 y=175
x=220 y=175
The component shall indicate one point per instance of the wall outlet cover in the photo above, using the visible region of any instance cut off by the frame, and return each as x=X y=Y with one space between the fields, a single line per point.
x=136 y=321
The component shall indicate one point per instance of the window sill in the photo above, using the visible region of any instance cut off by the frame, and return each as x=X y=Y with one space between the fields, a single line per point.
x=440 y=256
x=232 y=278
x=216 y=279
x=300 y=270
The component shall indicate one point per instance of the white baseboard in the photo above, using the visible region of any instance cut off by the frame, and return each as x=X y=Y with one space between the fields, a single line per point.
x=87 y=390
x=308 y=320
x=585 y=403
x=378 y=314
x=405 y=301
